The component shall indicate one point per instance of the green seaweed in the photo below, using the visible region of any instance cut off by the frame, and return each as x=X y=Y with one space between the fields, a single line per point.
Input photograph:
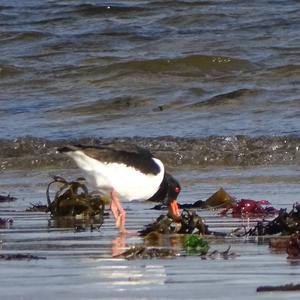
x=194 y=243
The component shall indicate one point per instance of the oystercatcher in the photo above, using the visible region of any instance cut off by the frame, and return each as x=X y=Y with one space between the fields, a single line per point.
x=125 y=171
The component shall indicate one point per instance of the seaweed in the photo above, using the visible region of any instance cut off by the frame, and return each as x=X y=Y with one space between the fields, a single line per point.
x=143 y=252
x=250 y=208
x=6 y=222
x=7 y=198
x=189 y=222
x=19 y=256
x=193 y=243
x=237 y=208
x=73 y=198
x=37 y=207
x=279 y=288
x=192 y=223
x=220 y=254
x=220 y=199
x=285 y=223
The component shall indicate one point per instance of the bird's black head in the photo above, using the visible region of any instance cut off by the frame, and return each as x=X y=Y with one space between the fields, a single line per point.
x=173 y=188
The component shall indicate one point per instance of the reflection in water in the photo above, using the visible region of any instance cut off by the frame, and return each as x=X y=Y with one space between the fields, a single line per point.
x=118 y=244
x=78 y=223
x=154 y=239
x=124 y=277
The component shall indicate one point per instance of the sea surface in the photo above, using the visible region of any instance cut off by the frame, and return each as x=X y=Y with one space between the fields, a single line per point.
x=210 y=87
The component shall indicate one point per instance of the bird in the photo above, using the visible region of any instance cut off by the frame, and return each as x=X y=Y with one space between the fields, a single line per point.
x=125 y=171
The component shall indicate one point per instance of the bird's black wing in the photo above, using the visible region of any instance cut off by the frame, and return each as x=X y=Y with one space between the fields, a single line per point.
x=128 y=154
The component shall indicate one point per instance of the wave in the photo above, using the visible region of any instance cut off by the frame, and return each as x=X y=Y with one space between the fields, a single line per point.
x=23 y=36
x=180 y=65
x=9 y=70
x=88 y=10
x=31 y=152
x=109 y=106
x=229 y=98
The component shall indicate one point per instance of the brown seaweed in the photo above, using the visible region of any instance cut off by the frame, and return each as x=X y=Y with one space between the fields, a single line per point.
x=279 y=288
x=7 y=198
x=140 y=251
x=37 y=207
x=73 y=198
x=220 y=254
x=19 y=256
x=189 y=222
x=146 y=252
x=285 y=223
x=220 y=199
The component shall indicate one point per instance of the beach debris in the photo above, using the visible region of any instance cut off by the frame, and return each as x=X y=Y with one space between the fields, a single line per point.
x=6 y=222
x=195 y=243
x=7 y=198
x=20 y=256
x=249 y=208
x=73 y=198
x=279 y=288
x=143 y=252
x=189 y=222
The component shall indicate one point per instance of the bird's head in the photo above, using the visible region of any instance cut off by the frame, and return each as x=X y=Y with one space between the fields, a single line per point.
x=172 y=194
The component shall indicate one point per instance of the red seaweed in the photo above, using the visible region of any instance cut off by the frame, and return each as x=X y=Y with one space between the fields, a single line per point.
x=250 y=208
x=6 y=222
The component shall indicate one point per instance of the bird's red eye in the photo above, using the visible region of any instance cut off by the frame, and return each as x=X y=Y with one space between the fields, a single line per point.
x=177 y=189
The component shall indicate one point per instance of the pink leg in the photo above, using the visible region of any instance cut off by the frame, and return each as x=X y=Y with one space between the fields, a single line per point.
x=118 y=211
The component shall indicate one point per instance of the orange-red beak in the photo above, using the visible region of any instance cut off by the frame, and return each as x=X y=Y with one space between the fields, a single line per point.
x=175 y=209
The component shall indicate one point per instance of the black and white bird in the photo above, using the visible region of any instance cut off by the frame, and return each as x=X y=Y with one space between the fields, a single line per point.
x=126 y=172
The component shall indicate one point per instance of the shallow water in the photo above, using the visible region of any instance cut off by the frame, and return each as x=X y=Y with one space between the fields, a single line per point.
x=80 y=264
x=210 y=87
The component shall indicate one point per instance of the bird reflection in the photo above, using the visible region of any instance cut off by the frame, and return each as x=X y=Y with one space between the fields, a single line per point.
x=118 y=245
